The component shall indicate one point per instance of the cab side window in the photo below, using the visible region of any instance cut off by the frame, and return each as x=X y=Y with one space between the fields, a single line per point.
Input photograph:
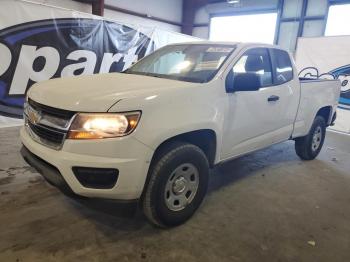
x=283 y=69
x=255 y=62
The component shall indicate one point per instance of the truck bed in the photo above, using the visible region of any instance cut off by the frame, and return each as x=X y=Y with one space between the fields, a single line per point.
x=315 y=94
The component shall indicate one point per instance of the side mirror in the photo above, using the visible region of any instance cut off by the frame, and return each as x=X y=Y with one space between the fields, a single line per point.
x=242 y=82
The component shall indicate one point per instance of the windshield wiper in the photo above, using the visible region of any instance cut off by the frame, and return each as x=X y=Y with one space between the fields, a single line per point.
x=145 y=74
x=173 y=77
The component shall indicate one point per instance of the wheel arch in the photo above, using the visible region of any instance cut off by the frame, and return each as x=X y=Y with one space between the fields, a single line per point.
x=326 y=113
x=205 y=139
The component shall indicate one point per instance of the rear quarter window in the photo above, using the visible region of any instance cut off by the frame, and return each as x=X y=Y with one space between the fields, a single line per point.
x=282 y=66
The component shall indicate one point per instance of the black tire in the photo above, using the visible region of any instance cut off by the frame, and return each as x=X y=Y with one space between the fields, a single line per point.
x=162 y=170
x=304 y=146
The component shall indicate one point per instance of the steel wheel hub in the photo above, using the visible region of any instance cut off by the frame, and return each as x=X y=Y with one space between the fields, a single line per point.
x=316 y=139
x=181 y=187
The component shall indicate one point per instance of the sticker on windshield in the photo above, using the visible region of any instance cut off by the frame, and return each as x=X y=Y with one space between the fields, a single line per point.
x=220 y=49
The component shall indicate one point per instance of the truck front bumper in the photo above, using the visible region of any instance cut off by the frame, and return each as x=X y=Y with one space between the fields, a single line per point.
x=126 y=156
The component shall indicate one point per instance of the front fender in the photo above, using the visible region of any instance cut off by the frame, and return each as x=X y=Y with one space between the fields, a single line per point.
x=175 y=112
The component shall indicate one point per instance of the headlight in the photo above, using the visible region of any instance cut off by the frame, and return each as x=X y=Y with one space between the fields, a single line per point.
x=96 y=126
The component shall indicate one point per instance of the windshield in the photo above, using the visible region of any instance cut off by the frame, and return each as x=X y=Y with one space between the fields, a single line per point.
x=185 y=62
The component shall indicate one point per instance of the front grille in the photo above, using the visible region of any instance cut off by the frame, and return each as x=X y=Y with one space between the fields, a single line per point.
x=48 y=134
x=60 y=113
x=47 y=125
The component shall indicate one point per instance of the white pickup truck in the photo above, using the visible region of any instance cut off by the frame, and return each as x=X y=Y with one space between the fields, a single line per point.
x=152 y=132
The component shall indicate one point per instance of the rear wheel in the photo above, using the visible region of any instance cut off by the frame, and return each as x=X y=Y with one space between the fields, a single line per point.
x=309 y=146
x=177 y=185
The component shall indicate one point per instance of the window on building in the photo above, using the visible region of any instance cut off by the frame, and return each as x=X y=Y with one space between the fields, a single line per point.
x=244 y=28
x=338 y=20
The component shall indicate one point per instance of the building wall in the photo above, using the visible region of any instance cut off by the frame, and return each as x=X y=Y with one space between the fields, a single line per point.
x=69 y=4
x=202 y=22
x=166 y=9
x=298 y=18
x=287 y=31
x=202 y=17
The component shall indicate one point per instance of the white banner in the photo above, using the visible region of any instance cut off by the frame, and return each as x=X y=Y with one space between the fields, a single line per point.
x=40 y=42
x=328 y=57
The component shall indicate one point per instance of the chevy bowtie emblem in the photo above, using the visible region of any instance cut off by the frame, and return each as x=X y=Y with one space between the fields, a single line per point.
x=34 y=116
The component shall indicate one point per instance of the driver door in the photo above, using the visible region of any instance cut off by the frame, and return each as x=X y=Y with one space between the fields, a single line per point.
x=252 y=116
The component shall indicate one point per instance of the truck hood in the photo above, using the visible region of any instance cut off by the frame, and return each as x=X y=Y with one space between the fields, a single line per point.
x=97 y=93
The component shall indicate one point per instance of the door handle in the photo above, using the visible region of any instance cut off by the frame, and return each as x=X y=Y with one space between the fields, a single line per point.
x=273 y=98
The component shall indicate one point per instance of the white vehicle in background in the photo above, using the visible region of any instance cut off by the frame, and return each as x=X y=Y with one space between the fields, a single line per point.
x=152 y=132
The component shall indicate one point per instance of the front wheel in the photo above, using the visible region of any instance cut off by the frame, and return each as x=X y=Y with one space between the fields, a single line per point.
x=309 y=146
x=177 y=185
